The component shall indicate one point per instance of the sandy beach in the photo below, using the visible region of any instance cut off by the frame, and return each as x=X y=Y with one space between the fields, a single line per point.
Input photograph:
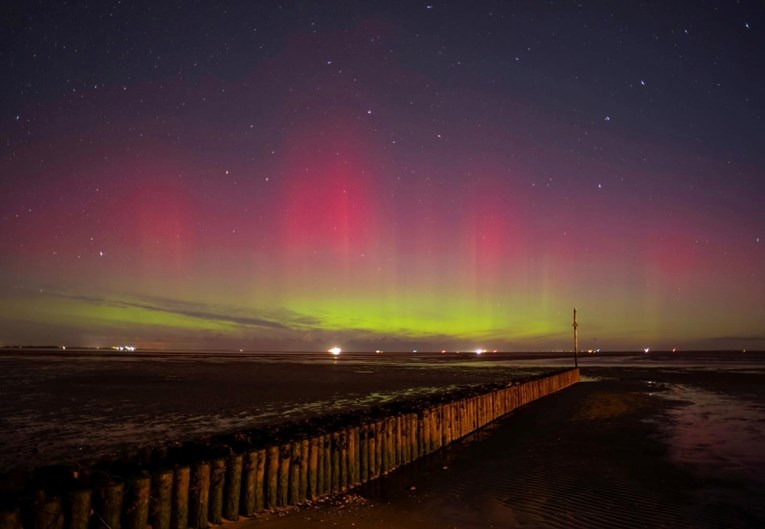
x=643 y=441
x=58 y=407
x=627 y=447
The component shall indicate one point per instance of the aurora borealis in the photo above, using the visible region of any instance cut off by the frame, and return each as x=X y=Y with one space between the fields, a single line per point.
x=383 y=175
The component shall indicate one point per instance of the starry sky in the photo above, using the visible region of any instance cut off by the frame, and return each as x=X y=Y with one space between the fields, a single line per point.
x=386 y=175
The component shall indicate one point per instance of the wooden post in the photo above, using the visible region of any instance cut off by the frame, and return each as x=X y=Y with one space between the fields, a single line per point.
x=400 y=436
x=450 y=423
x=272 y=477
x=10 y=519
x=411 y=433
x=217 y=479
x=304 y=454
x=413 y=443
x=343 y=460
x=363 y=453
x=232 y=490
x=160 y=504
x=199 y=495
x=413 y=436
x=425 y=424
x=313 y=468
x=320 y=490
x=439 y=424
x=249 y=477
x=403 y=440
x=260 y=493
x=326 y=487
x=137 y=505
x=179 y=511
x=78 y=508
x=373 y=472
x=108 y=504
x=48 y=512
x=353 y=457
x=336 y=450
x=385 y=448
x=283 y=495
x=294 y=474
x=390 y=442
x=433 y=433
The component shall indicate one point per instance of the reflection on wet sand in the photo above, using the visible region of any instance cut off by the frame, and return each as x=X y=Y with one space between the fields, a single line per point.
x=627 y=449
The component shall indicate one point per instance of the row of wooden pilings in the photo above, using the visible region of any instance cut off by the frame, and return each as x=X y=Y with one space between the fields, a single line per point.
x=212 y=491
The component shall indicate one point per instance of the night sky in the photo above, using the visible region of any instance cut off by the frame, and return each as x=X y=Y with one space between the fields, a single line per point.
x=383 y=175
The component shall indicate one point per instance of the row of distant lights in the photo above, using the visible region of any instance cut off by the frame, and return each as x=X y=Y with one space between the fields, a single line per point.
x=336 y=351
x=130 y=348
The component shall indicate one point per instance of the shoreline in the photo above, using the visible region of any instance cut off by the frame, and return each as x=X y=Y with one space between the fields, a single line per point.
x=249 y=472
x=604 y=453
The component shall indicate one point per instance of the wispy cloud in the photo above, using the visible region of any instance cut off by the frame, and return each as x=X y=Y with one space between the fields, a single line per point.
x=284 y=320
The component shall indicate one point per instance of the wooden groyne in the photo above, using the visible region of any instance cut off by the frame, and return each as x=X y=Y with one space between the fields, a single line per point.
x=197 y=484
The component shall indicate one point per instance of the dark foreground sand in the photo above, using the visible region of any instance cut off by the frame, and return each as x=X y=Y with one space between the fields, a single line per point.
x=628 y=447
x=66 y=407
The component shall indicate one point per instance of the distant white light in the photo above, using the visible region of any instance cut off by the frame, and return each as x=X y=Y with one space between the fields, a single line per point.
x=378 y=351
x=479 y=351
x=646 y=349
x=335 y=351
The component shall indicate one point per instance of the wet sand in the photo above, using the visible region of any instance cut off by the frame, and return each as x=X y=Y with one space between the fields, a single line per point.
x=66 y=407
x=629 y=447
